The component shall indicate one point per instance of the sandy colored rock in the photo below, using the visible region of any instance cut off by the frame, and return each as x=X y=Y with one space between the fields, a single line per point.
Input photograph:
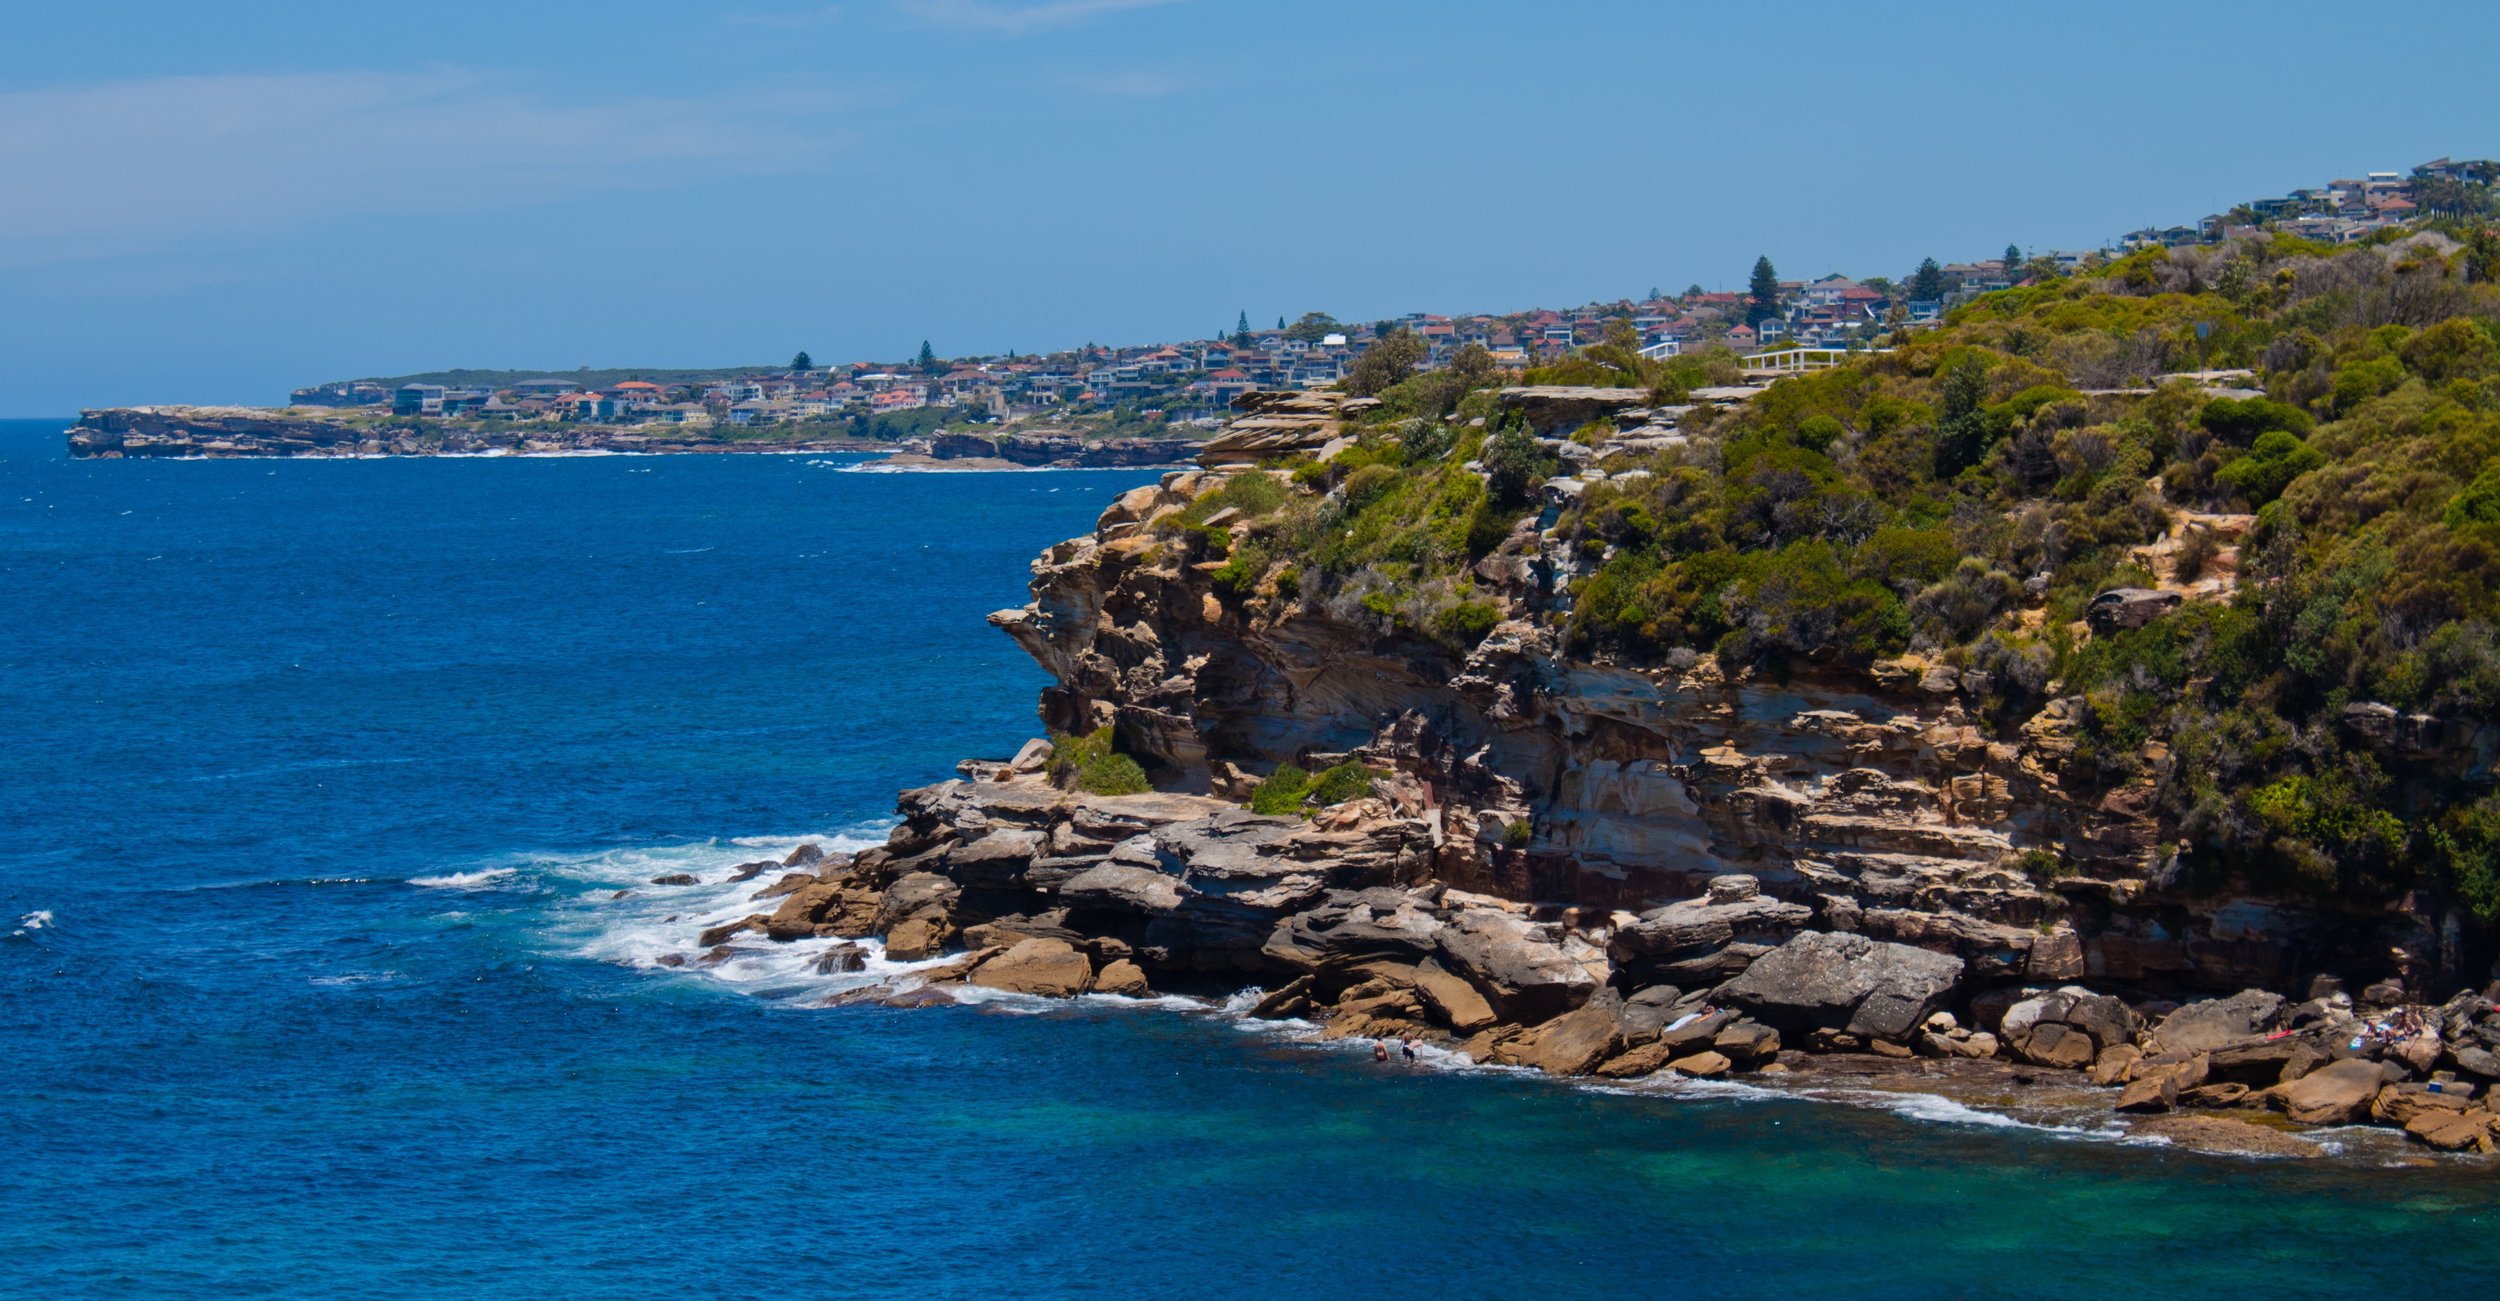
x=1571 y=1044
x=917 y=937
x=2115 y=1065
x=2334 y=1094
x=2453 y=1131
x=1701 y=1065
x=1050 y=968
x=2152 y=1094
x=1635 y=1062
x=1451 y=1001
x=1123 y=977
x=2222 y=1135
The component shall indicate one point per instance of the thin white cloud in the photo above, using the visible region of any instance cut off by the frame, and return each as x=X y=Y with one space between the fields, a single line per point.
x=1018 y=17
x=131 y=166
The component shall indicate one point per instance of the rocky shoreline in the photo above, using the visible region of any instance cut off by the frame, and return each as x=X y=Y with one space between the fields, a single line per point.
x=1622 y=873
x=1003 y=881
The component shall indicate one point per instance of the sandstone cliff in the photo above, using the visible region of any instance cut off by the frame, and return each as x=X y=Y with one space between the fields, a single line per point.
x=1876 y=800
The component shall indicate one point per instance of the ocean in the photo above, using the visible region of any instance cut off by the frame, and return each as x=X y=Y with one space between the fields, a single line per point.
x=316 y=781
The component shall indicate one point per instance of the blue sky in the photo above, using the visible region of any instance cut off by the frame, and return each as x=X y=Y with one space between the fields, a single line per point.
x=216 y=202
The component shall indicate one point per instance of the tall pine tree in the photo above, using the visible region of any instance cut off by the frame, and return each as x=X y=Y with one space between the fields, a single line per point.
x=1763 y=302
x=1927 y=283
x=1241 y=330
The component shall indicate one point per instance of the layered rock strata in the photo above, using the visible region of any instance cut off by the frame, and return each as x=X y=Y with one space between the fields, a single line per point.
x=1615 y=870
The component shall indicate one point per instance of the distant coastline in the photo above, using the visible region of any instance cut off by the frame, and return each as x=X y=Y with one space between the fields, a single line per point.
x=220 y=433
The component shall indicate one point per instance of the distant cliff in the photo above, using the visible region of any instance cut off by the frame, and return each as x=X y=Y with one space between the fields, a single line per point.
x=202 y=432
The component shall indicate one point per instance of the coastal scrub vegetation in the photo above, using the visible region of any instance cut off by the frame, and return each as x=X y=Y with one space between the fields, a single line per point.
x=1291 y=789
x=1089 y=763
x=2327 y=510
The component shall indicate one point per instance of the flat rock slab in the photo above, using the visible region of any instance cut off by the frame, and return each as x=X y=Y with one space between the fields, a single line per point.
x=2225 y=1137
x=1847 y=982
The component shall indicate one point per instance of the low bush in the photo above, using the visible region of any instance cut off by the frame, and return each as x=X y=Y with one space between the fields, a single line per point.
x=1090 y=764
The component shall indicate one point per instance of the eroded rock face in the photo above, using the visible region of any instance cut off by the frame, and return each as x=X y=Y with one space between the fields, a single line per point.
x=1529 y=971
x=1849 y=983
x=1692 y=940
x=1876 y=799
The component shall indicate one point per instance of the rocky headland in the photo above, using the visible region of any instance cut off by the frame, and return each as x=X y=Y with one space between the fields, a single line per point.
x=1614 y=871
x=202 y=432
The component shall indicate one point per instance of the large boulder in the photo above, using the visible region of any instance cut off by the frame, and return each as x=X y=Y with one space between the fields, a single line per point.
x=2122 y=608
x=1529 y=971
x=1734 y=912
x=1355 y=925
x=1648 y=1011
x=2219 y=1022
x=2453 y=1131
x=996 y=859
x=1570 y=1044
x=1826 y=980
x=1451 y=1001
x=2334 y=1094
x=1048 y=967
x=1123 y=977
x=2069 y=1027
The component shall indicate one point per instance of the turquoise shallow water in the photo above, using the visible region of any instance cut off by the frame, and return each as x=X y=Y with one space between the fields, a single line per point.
x=323 y=772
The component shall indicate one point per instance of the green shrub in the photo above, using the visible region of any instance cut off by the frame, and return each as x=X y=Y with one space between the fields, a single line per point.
x=2270 y=466
x=1513 y=466
x=1468 y=621
x=1366 y=485
x=1341 y=782
x=1282 y=791
x=2239 y=422
x=1090 y=764
x=1242 y=570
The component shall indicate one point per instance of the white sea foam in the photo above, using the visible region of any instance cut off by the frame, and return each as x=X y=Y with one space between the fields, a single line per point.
x=655 y=927
x=37 y=920
x=1936 y=1109
x=476 y=880
x=351 y=978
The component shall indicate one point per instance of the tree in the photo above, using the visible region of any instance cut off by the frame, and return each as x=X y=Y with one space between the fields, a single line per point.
x=2482 y=255
x=1472 y=366
x=1694 y=290
x=928 y=357
x=802 y=361
x=1513 y=465
x=1313 y=327
x=1927 y=283
x=1386 y=364
x=1763 y=298
x=1241 y=330
x=2013 y=261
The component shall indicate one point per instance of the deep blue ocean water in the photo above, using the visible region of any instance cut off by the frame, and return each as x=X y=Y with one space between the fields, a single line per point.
x=315 y=778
